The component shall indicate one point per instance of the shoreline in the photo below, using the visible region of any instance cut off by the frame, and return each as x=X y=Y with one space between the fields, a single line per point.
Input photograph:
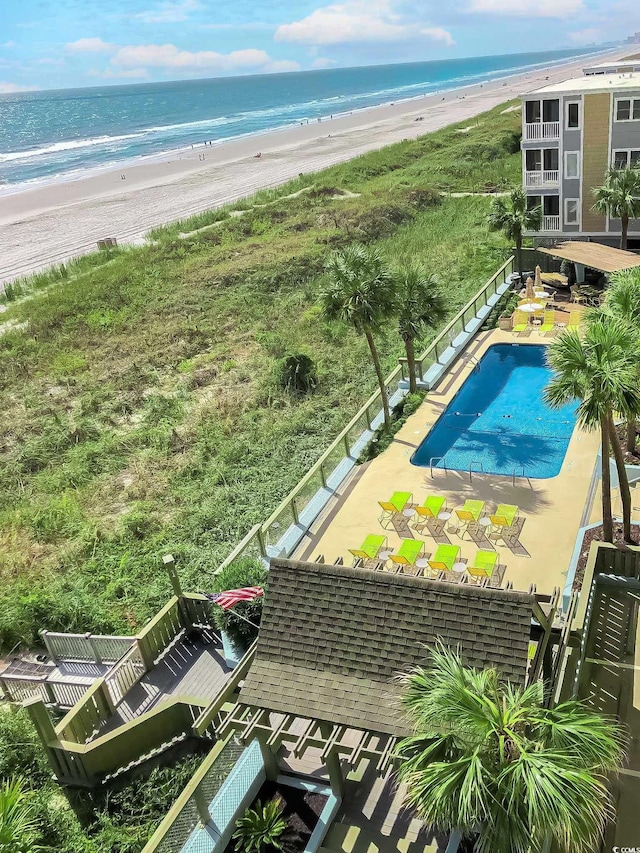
x=73 y=175
x=52 y=223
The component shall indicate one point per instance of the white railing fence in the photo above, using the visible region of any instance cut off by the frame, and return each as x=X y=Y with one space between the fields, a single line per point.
x=542 y=130
x=546 y=177
x=97 y=648
x=550 y=223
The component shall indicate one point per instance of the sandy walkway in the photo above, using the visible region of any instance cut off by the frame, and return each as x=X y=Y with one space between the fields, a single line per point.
x=53 y=223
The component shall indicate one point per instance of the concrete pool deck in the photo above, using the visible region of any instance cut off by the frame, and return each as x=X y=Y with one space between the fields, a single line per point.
x=553 y=508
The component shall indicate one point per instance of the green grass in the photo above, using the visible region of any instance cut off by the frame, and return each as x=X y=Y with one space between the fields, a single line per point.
x=139 y=410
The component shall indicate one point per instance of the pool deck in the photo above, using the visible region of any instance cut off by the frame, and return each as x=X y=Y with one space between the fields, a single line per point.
x=553 y=509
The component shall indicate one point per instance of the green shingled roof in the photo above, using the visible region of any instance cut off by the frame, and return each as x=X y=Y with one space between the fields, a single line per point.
x=332 y=639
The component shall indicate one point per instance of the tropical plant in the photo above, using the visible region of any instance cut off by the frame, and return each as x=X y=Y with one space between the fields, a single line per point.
x=241 y=621
x=18 y=824
x=298 y=374
x=619 y=197
x=623 y=300
x=487 y=758
x=512 y=216
x=420 y=305
x=360 y=292
x=599 y=369
x=261 y=828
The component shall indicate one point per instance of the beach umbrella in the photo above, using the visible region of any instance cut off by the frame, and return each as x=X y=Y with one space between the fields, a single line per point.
x=530 y=289
x=538 y=283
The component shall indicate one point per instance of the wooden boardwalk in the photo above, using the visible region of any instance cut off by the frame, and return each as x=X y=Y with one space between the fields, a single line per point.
x=189 y=670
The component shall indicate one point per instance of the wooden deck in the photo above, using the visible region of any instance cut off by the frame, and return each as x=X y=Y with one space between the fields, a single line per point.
x=189 y=670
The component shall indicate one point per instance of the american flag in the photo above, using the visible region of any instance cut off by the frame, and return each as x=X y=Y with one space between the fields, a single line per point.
x=231 y=597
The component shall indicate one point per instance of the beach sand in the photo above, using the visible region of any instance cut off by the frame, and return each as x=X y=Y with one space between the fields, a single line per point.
x=54 y=222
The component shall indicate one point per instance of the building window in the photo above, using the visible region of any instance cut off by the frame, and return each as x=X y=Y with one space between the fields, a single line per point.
x=571 y=211
x=572 y=164
x=628 y=109
x=626 y=158
x=573 y=115
x=532 y=112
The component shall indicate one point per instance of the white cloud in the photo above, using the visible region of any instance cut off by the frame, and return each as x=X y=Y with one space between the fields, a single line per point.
x=528 y=8
x=357 y=21
x=8 y=44
x=12 y=88
x=90 y=45
x=168 y=56
x=120 y=74
x=587 y=36
x=323 y=62
x=169 y=12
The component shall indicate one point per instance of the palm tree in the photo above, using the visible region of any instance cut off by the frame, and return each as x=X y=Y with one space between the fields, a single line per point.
x=619 y=197
x=420 y=305
x=599 y=369
x=623 y=300
x=487 y=758
x=18 y=826
x=513 y=217
x=361 y=292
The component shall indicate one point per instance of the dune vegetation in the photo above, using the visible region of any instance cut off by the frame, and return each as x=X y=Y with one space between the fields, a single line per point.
x=141 y=403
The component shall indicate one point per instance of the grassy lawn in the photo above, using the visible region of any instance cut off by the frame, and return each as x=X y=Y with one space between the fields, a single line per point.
x=140 y=410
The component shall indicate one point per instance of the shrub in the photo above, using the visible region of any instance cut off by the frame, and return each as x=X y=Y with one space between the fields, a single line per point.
x=242 y=572
x=382 y=221
x=424 y=198
x=383 y=435
x=297 y=374
x=261 y=828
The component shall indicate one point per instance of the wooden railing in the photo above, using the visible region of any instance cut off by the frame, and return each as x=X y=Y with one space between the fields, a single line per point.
x=97 y=648
x=192 y=805
x=124 y=674
x=207 y=722
x=157 y=635
x=325 y=472
x=87 y=715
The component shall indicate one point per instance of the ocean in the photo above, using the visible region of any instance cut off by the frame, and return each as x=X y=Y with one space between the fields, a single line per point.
x=68 y=132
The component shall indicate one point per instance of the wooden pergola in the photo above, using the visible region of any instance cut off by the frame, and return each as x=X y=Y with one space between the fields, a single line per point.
x=604 y=259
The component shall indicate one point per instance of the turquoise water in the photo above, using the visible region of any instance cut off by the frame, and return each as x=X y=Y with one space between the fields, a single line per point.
x=51 y=133
x=498 y=422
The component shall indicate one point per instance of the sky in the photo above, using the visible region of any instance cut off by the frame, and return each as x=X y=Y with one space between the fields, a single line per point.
x=47 y=44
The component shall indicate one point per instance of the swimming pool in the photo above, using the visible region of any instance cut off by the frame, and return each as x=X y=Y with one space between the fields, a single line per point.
x=498 y=422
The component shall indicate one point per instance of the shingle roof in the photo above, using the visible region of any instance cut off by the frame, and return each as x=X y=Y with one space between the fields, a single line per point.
x=332 y=638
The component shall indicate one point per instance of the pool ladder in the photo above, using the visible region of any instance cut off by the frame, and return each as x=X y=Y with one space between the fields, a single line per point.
x=471 y=464
x=437 y=459
x=520 y=472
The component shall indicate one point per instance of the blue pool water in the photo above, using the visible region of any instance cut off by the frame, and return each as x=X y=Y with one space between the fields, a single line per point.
x=498 y=421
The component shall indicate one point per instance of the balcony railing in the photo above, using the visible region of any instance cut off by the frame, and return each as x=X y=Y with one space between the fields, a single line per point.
x=550 y=223
x=543 y=178
x=542 y=130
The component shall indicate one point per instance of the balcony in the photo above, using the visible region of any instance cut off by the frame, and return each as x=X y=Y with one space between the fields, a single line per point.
x=542 y=178
x=541 y=130
x=550 y=223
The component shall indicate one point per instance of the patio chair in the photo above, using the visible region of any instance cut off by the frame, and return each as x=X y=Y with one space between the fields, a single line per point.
x=484 y=565
x=521 y=325
x=428 y=513
x=395 y=505
x=469 y=512
x=548 y=323
x=369 y=549
x=576 y=296
x=444 y=558
x=408 y=553
x=506 y=515
x=574 y=319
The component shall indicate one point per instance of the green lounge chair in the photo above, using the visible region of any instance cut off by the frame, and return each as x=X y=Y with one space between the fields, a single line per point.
x=396 y=503
x=504 y=516
x=370 y=548
x=484 y=564
x=408 y=552
x=548 y=323
x=470 y=511
x=444 y=558
x=520 y=323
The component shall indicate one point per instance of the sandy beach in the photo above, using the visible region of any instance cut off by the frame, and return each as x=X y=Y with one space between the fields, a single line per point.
x=54 y=222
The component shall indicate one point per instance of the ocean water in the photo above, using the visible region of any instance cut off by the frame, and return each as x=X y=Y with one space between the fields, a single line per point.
x=499 y=423
x=47 y=134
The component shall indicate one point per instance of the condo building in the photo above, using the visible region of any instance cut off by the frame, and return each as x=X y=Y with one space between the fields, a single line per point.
x=572 y=132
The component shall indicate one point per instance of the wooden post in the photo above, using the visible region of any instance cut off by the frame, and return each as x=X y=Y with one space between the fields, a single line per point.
x=170 y=565
x=269 y=757
x=48 y=646
x=336 y=779
x=46 y=732
x=202 y=806
x=94 y=647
